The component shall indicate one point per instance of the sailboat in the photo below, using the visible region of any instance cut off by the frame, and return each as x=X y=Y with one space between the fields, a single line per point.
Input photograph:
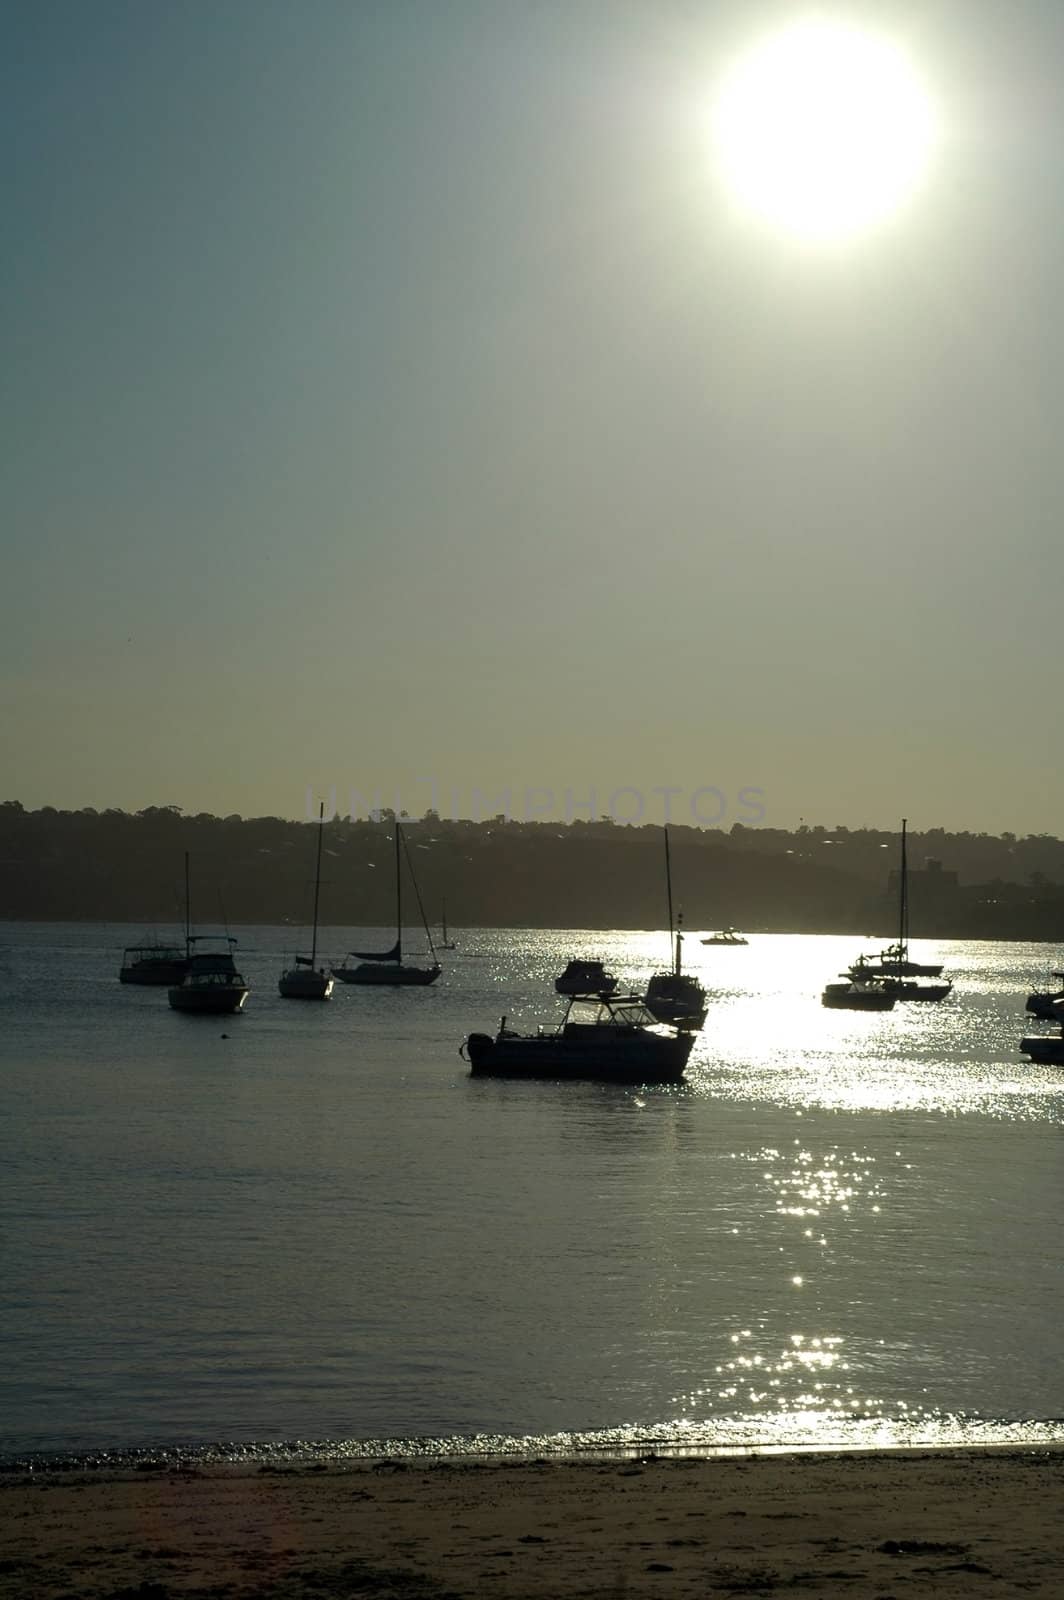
x=386 y=966
x=675 y=996
x=305 y=980
x=892 y=971
x=446 y=943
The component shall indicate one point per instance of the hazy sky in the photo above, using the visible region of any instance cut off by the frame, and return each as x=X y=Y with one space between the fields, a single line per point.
x=392 y=391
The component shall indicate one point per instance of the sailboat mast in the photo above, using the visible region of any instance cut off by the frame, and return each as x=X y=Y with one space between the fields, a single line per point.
x=668 y=894
x=903 y=899
x=317 y=885
x=188 y=911
x=398 y=893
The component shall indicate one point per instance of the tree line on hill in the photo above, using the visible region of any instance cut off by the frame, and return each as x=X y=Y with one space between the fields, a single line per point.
x=128 y=867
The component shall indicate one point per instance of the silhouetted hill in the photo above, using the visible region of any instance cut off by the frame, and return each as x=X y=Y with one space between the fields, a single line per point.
x=84 y=865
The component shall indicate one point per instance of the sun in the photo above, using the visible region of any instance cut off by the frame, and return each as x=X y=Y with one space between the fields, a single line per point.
x=823 y=130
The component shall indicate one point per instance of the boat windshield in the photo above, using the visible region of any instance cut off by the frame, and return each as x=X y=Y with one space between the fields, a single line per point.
x=630 y=1013
x=153 y=952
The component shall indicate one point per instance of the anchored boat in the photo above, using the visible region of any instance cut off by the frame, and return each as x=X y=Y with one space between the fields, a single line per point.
x=1048 y=1005
x=677 y=996
x=305 y=980
x=1049 y=1048
x=851 y=996
x=156 y=964
x=892 y=970
x=613 y=1039
x=585 y=978
x=153 y=963
x=212 y=986
x=385 y=967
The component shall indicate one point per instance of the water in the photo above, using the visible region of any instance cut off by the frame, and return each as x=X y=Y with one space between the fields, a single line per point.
x=843 y=1229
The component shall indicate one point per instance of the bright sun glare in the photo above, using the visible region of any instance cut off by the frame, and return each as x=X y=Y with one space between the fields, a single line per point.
x=823 y=129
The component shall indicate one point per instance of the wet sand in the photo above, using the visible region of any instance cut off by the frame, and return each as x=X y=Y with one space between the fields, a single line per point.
x=865 y=1526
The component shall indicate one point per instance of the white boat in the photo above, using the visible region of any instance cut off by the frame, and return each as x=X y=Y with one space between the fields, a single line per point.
x=585 y=978
x=609 y=1038
x=892 y=969
x=675 y=996
x=305 y=980
x=212 y=985
x=851 y=996
x=727 y=936
x=385 y=967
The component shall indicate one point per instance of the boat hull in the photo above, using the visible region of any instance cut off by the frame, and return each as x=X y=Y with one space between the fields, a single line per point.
x=380 y=976
x=842 y=997
x=1044 y=1050
x=214 y=1000
x=154 y=974
x=302 y=984
x=585 y=978
x=572 y=989
x=903 y=969
x=903 y=989
x=1050 y=1006
x=647 y=1059
x=678 y=1016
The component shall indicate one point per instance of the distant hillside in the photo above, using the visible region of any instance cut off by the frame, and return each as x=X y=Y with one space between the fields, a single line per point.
x=84 y=865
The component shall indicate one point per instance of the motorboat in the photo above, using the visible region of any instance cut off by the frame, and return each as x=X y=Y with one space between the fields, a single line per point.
x=1047 y=1005
x=585 y=977
x=851 y=996
x=305 y=980
x=607 y=1037
x=676 y=997
x=727 y=936
x=1048 y=1048
x=893 y=970
x=385 y=967
x=153 y=964
x=212 y=985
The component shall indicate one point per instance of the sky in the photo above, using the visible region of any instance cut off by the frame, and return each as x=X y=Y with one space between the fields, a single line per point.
x=397 y=403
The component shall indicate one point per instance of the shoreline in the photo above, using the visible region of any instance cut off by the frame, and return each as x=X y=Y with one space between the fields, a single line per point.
x=867 y=1524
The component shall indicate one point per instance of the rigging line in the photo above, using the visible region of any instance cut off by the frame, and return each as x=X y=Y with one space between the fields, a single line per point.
x=417 y=892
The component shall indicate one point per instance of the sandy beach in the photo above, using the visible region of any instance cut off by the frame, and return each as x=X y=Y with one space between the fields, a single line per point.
x=875 y=1526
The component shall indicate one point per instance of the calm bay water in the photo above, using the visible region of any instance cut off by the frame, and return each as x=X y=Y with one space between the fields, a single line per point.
x=843 y=1229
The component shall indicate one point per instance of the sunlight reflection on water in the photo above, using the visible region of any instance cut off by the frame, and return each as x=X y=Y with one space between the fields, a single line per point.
x=842 y=1230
